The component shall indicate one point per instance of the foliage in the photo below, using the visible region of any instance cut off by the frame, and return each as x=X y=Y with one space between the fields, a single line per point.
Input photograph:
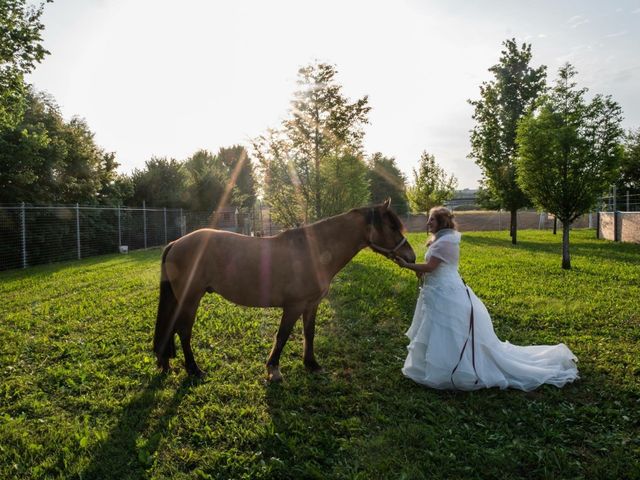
x=629 y=179
x=569 y=151
x=431 y=185
x=486 y=199
x=160 y=184
x=204 y=180
x=345 y=183
x=20 y=50
x=80 y=396
x=502 y=103
x=280 y=183
x=45 y=159
x=323 y=126
x=387 y=181
x=239 y=175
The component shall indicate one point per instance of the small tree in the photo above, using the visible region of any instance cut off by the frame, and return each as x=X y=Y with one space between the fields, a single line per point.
x=502 y=103
x=569 y=152
x=387 y=181
x=432 y=186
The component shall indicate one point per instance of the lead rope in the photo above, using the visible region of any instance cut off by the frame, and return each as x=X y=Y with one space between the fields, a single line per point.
x=473 y=343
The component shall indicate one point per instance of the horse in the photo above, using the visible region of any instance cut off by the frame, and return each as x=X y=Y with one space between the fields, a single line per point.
x=291 y=270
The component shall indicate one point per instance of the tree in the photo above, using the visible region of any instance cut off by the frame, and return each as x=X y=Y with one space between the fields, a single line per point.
x=20 y=49
x=431 y=185
x=239 y=174
x=503 y=102
x=569 y=151
x=160 y=184
x=345 y=183
x=387 y=181
x=280 y=183
x=629 y=179
x=323 y=126
x=205 y=181
x=44 y=159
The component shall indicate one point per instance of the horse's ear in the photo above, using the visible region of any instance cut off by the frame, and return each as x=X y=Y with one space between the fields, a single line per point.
x=387 y=202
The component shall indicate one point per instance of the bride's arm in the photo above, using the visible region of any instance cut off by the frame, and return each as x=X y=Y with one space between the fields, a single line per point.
x=428 y=267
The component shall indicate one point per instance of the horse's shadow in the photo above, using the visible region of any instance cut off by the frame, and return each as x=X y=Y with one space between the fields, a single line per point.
x=129 y=448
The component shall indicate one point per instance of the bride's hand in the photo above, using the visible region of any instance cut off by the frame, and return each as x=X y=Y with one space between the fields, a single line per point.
x=401 y=262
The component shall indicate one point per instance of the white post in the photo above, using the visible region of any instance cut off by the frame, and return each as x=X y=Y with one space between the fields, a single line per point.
x=78 y=229
x=23 y=226
x=144 y=221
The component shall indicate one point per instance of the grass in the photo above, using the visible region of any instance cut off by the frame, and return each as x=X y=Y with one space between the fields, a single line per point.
x=80 y=396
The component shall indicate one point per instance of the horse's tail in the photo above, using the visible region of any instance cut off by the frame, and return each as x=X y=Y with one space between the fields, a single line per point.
x=163 y=339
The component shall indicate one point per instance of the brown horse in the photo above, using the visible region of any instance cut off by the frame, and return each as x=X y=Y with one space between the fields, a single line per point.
x=291 y=270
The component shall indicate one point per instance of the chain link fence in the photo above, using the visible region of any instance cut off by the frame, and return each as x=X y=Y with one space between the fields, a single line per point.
x=39 y=234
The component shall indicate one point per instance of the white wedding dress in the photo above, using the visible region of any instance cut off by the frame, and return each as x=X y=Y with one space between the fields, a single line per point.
x=441 y=327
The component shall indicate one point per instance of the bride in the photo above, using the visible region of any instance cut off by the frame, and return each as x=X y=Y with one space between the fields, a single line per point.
x=452 y=342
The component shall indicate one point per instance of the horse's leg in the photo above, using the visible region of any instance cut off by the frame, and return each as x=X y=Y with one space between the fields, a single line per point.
x=289 y=317
x=309 y=322
x=184 y=327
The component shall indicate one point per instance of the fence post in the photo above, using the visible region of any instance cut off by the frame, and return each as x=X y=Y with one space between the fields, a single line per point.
x=183 y=224
x=144 y=222
x=598 y=222
x=119 y=230
x=616 y=230
x=165 y=225
x=23 y=228
x=628 y=201
x=78 y=229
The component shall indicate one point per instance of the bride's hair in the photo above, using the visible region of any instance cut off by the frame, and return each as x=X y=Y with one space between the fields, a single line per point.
x=444 y=218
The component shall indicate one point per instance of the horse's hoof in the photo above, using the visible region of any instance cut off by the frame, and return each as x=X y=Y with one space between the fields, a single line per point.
x=274 y=375
x=313 y=367
x=195 y=372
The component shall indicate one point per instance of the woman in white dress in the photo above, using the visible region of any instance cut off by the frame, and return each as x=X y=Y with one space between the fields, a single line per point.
x=452 y=345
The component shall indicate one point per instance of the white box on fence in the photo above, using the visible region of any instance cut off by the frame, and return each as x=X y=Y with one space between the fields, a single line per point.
x=124 y=248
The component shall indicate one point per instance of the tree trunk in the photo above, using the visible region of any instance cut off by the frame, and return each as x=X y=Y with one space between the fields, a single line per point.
x=555 y=224
x=566 y=259
x=514 y=226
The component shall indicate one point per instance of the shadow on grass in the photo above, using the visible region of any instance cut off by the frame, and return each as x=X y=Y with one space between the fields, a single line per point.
x=129 y=449
x=363 y=419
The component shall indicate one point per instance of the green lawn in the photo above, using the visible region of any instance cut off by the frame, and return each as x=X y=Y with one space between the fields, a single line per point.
x=80 y=396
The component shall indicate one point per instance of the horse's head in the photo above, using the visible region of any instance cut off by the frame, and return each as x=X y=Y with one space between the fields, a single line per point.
x=385 y=233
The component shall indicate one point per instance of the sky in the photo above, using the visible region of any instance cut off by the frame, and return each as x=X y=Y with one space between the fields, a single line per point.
x=166 y=78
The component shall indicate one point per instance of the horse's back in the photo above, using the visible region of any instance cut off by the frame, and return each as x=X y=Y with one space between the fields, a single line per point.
x=251 y=271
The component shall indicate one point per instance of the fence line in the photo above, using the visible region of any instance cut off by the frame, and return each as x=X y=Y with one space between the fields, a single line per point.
x=38 y=234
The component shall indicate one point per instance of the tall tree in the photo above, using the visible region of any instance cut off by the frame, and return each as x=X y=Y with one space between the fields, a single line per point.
x=160 y=184
x=503 y=101
x=431 y=185
x=323 y=125
x=20 y=50
x=387 y=181
x=569 y=151
x=280 y=185
x=205 y=181
x=44 y=159
x=239 y=174
x=345 y=183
